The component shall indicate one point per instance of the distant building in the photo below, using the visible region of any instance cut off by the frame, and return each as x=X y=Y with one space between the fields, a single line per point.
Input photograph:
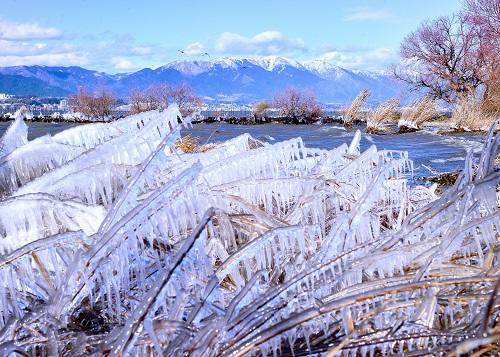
x=4 y=96
x=63 y=104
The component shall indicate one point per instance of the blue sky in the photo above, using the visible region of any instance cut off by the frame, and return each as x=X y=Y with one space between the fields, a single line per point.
x=123 y=36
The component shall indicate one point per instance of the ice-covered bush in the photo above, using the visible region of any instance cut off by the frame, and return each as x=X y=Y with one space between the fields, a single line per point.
x=133 y=247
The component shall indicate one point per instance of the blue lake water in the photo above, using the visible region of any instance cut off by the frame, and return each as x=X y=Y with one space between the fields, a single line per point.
x=438 y=152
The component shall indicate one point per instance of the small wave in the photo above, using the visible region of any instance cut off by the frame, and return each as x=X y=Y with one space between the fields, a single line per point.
x=467 y=144
x=474 y=143
x=369 y=138
x=332 y=127
x=441 y=161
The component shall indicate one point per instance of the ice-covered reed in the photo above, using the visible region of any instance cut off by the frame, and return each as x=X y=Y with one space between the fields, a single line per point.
x=385 y=113
x=16 y=134
x=417 y=113
x=352 y=112
x=132 y=247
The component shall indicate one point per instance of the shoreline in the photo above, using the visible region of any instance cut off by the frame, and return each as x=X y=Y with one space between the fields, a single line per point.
x=438 y=126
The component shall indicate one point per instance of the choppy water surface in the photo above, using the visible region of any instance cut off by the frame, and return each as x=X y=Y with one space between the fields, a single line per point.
x=36 y=130
x=437 y=152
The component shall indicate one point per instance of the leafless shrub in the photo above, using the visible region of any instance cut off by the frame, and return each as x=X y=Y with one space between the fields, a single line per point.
x=384 y=113
x=417 y=113
x=351 y=113
x=94 y=106
x=159 y=96
x=185 y=98
x=152 y=98
x=297 y=105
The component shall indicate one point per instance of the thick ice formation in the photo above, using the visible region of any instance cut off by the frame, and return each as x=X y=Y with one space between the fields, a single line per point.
x=16 y=134
x=112 y=242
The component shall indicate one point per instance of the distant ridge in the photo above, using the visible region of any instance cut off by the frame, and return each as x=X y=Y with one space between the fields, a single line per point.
x=235 y=79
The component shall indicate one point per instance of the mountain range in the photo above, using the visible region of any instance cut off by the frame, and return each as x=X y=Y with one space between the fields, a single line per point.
x=241 y=80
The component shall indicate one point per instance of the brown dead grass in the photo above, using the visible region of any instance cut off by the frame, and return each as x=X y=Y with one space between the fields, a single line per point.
x=470 y=115
x=384 y=113
x=352 y=112
x=189 y=145
x=420 y=111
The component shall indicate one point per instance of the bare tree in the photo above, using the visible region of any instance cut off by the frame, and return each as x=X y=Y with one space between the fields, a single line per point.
x=185 y=98
x=445 y=58
x=485 y=14
x=152 y=98
x=159 y=96
x=94 y=106
x=297 y=105
x=456 y=56
x=484 y=17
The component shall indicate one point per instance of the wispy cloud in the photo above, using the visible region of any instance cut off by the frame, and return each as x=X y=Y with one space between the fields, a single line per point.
x=368 y=14
x=29 y=44
x=49 y=59
x=264 y=43
x=369 y=59
x=124 y=64
x=109 y=52
x=142 y=50
x=27 y=31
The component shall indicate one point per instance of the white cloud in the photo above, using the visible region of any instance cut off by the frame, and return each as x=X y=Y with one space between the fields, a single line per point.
x=50 y=59
x=370 y=59
x=123 y=64
x=29 y=48
x=121 y=52
x=27 y=31
x=264 y=43
x=194 y=49
x=141 y=50
x=368 y=14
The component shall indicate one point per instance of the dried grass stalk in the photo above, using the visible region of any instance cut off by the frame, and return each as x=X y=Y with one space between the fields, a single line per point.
x=207 y=147
x=417 y=113
x=351 y=113
x=384 y=113
x=188 y=144
x=470 y=116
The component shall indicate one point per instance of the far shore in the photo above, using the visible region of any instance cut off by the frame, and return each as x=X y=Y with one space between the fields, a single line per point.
x=440 y=124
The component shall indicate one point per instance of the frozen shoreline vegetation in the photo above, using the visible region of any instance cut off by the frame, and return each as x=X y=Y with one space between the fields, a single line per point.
x=114 y=241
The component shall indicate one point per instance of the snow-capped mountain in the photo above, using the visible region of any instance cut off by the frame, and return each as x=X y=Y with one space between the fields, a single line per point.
x=242 y=79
